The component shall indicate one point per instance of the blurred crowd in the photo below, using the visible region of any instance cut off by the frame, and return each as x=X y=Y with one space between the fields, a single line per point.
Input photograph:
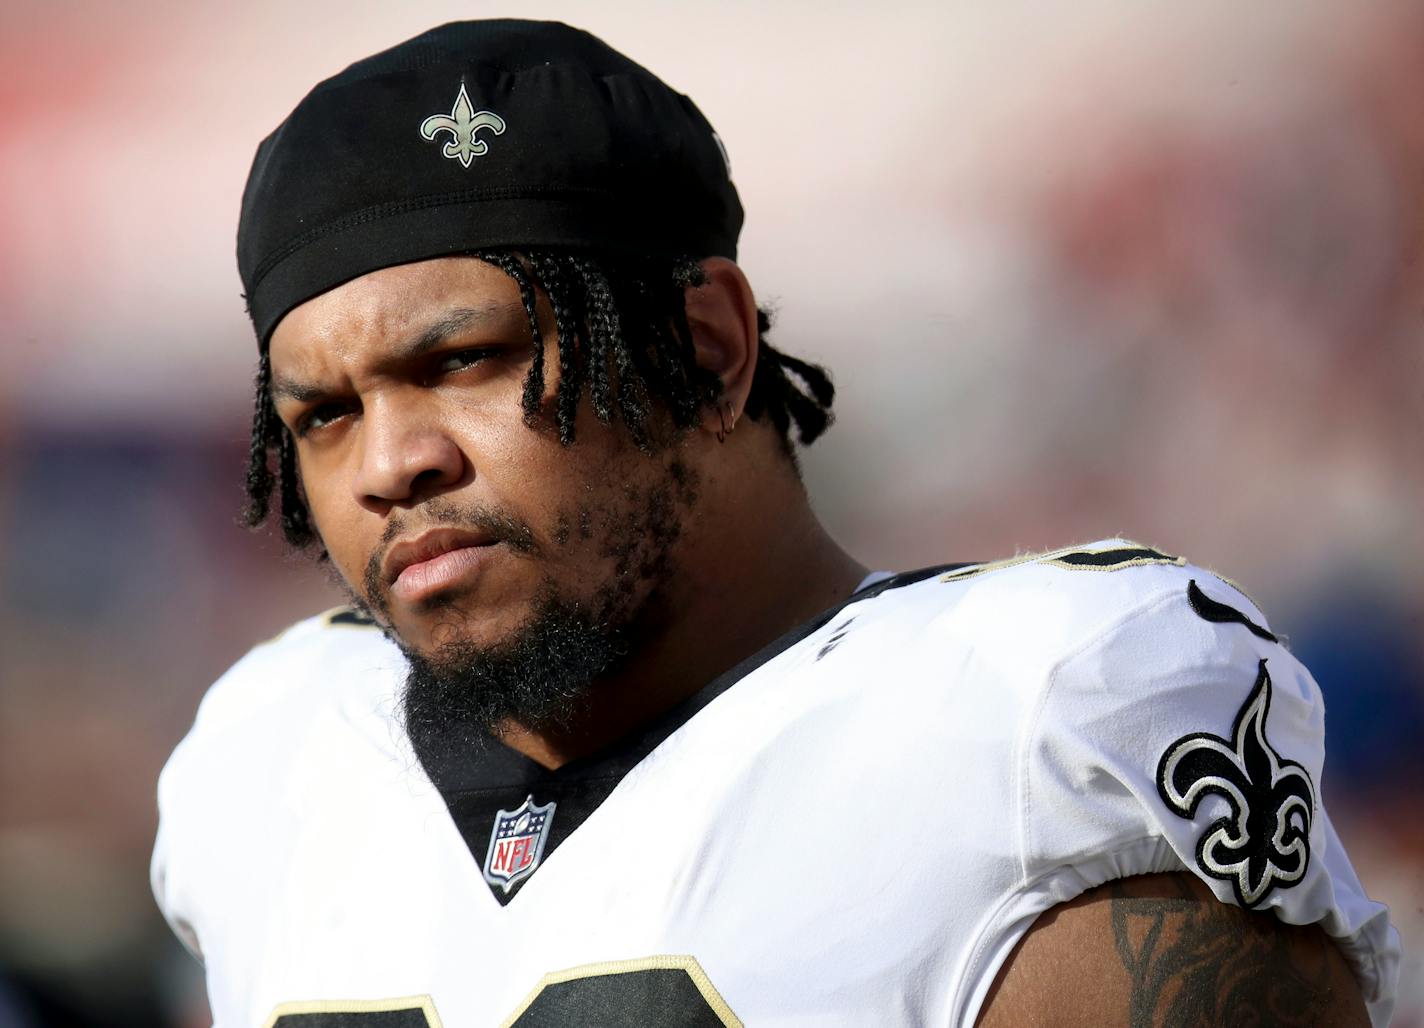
x=1099 y=271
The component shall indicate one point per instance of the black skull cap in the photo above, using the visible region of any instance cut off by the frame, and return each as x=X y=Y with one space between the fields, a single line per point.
x=474 y=135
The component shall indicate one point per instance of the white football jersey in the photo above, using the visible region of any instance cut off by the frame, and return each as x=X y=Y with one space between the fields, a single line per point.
x=853 y=827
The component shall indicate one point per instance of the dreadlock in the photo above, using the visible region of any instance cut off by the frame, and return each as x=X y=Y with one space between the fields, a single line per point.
x=623 y=335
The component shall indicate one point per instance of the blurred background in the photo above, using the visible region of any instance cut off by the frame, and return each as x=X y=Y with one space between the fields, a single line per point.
x=1079 y=270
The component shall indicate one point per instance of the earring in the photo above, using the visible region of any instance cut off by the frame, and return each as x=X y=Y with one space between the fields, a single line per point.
x=727 y=420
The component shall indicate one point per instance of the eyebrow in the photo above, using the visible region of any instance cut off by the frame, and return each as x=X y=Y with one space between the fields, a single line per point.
x=456 y=320
x=452 y=322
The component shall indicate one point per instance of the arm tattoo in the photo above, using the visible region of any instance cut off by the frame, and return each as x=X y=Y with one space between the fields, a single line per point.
x=1196 y=963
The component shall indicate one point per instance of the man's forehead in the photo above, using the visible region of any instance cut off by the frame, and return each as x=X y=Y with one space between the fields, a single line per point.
x=398 y=306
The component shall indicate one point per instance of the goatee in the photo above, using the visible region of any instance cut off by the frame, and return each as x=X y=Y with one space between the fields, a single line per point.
x=456 y=698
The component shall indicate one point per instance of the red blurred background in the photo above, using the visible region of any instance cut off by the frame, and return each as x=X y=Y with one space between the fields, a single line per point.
x=1079 y=270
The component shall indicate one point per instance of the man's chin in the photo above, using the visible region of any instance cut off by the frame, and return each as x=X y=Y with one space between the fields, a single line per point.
x=446 y=628
x=461 y=688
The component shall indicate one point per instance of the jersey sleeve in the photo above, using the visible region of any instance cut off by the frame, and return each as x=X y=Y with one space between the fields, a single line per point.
x=1185 y=736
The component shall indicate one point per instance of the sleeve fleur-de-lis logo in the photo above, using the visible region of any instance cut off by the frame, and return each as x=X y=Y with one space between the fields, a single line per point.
x=462 y=123
x=1264 y=840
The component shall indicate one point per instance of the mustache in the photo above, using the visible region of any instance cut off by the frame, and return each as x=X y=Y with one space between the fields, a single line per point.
x=500 y=525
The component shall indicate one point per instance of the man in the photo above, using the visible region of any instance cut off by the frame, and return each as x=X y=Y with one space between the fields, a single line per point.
x=614 y=732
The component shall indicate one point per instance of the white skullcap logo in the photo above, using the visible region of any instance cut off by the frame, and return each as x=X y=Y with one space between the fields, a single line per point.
x=462 y=123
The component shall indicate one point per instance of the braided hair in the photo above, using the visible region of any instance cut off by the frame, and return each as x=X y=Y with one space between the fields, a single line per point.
x=623 y=336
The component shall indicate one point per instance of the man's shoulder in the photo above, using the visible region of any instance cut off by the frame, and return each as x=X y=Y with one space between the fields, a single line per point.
x=338 y=628
x=259 y=716
x=1085 y=584
x=277 y=735
x=335 y=659
x=1038 y=609
x=997 y=645
x=1056 y=642
x=325 y=648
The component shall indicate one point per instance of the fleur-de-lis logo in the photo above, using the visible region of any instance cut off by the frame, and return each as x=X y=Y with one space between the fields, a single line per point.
x=462 y=123
x=1264 y=841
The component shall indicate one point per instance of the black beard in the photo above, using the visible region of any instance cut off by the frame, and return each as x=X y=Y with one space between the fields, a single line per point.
x=456 y=698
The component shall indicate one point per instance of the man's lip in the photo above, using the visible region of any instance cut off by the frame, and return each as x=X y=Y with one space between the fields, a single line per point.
x=427 y=548
x=451 y=568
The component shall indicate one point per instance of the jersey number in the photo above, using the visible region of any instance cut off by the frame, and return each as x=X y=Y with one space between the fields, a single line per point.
x=657 y=992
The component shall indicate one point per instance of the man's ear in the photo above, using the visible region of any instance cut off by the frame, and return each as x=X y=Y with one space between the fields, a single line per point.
x=722 y=314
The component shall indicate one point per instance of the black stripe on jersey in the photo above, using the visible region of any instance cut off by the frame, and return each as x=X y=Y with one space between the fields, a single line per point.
x=477 y=785
x=835 y=640
x=1110 y=559
x=353 y=616
x=1221 y=613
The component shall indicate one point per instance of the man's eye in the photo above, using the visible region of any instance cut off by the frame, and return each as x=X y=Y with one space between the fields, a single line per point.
x=458 y=360
x=320 y=416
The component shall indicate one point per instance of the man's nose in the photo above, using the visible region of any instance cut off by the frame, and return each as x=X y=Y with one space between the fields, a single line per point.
x=405 y=459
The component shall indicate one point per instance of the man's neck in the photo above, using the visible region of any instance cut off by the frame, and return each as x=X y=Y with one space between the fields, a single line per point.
x=739 y=591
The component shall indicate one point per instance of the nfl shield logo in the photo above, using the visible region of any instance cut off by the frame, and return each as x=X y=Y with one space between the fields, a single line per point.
x=517 y=843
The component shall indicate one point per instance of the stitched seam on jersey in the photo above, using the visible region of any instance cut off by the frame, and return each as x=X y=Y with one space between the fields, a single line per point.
x=1360 y=944
x=1029 y=733
x=977 y=954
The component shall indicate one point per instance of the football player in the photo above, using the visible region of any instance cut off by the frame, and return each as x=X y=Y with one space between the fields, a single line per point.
x=613 y=732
